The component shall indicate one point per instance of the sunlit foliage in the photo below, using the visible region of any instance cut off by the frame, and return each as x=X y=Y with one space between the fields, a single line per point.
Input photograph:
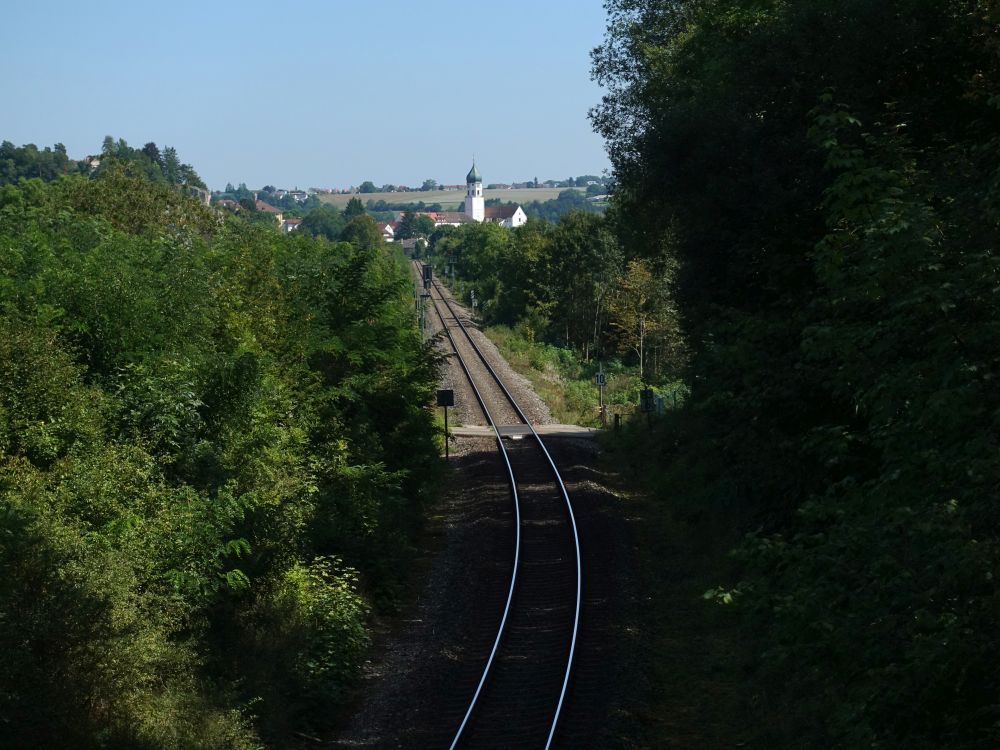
x=213 y=448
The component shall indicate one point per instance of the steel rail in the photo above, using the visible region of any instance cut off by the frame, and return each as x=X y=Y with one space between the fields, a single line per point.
x=517 y=526
x=569 y=508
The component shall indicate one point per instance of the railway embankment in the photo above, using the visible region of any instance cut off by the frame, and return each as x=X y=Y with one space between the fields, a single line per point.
x=653 y=662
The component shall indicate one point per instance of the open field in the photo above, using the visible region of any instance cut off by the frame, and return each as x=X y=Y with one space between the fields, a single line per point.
x=447 y=198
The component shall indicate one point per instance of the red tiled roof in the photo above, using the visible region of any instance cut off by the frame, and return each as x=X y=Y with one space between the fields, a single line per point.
x=446 y=217
x=266 y=207
x=500 y=212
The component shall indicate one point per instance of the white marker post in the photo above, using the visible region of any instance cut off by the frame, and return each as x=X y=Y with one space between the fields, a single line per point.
x=600 y=380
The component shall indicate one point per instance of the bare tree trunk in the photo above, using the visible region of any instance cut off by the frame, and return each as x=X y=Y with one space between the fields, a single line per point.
x=642 y=340
x=597 y=323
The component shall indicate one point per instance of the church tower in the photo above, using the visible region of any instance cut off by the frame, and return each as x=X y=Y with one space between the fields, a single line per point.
x=475 y=205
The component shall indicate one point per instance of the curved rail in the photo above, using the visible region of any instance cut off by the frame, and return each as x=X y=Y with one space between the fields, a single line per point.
x=569 y=508
x=517 y=534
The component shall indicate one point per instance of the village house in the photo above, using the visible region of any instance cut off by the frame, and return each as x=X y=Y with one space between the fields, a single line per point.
x=267 y=208
x=507 y=216
x=388 y=229
x=446 y=218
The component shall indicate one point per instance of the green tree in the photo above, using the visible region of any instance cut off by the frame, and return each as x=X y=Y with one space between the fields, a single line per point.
x=171 y=165
x=353 y=208
x=405 y=230
x=192 y=483
x=325 y=221
x=817 y=194
x=641 y=314
x=423 y=226
x=152 y=152
x=362 y=232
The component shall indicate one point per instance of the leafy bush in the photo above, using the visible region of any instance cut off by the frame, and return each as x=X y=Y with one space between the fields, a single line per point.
x=189 y=408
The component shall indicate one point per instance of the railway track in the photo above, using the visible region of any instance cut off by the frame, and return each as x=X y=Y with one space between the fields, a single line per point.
x=519 y=699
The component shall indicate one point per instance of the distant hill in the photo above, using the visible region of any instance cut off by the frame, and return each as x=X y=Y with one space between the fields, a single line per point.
x=448 y=198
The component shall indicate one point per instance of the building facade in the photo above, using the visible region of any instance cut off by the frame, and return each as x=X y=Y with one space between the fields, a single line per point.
x=475 y=204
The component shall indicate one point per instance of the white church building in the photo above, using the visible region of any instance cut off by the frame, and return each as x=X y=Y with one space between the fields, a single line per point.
x=475 y=208
x=475 y=204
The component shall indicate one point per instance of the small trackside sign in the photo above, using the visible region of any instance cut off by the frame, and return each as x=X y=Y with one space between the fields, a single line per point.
x=646 y=400
x=446 y=397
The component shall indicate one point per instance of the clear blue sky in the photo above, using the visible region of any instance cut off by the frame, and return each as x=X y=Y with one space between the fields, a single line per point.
x=311 y=93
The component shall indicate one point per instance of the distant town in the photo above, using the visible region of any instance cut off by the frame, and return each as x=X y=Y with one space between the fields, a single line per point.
x=510 y=205
x=592 y=184
x=585 y=181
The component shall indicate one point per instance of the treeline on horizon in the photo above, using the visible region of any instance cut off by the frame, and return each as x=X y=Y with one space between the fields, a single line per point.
x=49 y=163
x=214 y=450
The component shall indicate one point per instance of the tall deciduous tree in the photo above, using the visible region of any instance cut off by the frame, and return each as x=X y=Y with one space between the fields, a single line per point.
x=829 y=203
x=635 y=309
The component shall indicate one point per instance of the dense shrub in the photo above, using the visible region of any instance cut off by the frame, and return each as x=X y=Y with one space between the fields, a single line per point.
x=202 y=426
x=824 y=177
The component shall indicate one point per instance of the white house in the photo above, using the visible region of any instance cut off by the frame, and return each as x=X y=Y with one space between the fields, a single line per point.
x=387 y=229
x=506 y=216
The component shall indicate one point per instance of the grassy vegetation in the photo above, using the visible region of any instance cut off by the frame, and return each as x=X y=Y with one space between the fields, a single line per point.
x=566 y=384
x=448 y=199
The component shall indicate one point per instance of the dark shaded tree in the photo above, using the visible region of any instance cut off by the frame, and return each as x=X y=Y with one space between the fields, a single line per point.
x=353 y=208
x=819 y=174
